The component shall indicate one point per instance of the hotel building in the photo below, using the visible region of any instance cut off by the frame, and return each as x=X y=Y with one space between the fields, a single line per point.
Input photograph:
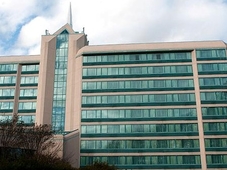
x=137 y=106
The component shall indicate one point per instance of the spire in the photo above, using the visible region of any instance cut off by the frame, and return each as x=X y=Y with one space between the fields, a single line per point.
x=70 y=22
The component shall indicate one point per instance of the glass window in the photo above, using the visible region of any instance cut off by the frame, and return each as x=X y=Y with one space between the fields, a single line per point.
x=139 y=98
x=138 y=128
x=8 y=67
x=7 y=79
x=29 y=79
x=159 y=83
x=27 y=105
x=30 y=67
x=188 y=159
x=142 y=113
x=205 y=53
x=137 y=70
x=7 y=92
x=213 y=96
x=212 y=67
x=6 y=105
x=27 y=119
x=136 y=57
x=211 y=53
x=28 y=92
x=181 y=55
x=59 y=96
x=181 y=69
x=140 y=144
x=162 y=144
x=187 y=143
x=159 y=70
x=5 y=118
x=136 y=84
x=214 y=81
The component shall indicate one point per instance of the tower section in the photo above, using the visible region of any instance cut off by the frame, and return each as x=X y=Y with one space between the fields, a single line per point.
x=56 y=93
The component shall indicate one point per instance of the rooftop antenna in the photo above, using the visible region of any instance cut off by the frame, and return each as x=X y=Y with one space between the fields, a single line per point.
x=47 y=32
x=70 y=22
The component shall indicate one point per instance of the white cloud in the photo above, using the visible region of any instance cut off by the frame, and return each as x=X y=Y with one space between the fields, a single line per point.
x=113 y=21
x=13 y=13
x=33 y=18
x=151 y=20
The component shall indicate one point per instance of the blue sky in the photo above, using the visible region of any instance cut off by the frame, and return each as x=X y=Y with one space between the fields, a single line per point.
x=111 y=21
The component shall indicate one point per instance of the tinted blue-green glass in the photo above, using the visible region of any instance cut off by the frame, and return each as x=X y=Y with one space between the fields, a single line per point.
x=215 y=97
x=7 y=80
x=5 y=118
x=137 y=84
x=216 y=160
x=60 y=77
x=138 y=113
x=210 y=53
x=27 y=119
x=28 y=92
x=27 y=105
x=137 y=57
x=7 y=93
x=140 y=144
x=212 y=68
x=137 y=70
x=215 y=142
x=138 y=128
x=143 y=160
x=140 y=98
x=215 y=126
x=211 y=82
x=6 y=105
x=29 y=80
x=8 y=67
x=34 y=67
x=214 y=111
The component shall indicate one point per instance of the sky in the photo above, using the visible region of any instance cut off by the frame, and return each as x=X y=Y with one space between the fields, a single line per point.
x=22 y=22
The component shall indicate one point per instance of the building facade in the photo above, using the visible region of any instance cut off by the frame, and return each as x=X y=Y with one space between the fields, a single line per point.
x=137 y=106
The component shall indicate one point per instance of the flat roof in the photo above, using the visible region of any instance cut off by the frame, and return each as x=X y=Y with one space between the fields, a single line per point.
x=20 y=59
x=159 y=46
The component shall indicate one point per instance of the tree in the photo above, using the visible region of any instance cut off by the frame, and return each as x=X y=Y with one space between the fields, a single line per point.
x=29 y=147
x=17 y=135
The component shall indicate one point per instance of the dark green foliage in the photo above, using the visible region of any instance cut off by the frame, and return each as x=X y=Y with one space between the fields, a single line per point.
x=34 y=163
x=99 y=166
x=29 y=147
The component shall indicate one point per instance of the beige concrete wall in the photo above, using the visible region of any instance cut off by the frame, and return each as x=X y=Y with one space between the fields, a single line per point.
x=46 y=79
x=199 y=112
x=21 y=59
x=58 y=149
x=71 y=148
x=17 y=90
x=76 y=41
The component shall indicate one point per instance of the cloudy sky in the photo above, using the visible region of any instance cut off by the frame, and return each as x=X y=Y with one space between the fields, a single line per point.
x=22 y=22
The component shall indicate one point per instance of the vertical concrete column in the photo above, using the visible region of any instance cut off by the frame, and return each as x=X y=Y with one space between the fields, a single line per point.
x=73 y=95
x=74 y=81
x=199 y=111
x=46 y=80
x=17 y=90
x=71 y=87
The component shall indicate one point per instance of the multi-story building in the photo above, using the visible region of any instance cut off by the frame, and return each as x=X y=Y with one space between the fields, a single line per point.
x=137 y=106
